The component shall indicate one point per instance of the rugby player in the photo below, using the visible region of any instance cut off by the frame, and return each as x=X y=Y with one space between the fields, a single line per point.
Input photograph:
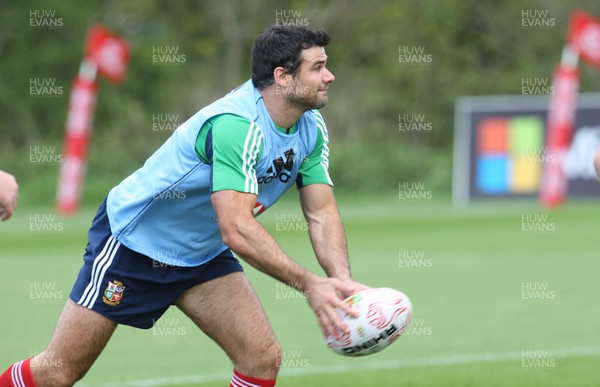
x=165 y=235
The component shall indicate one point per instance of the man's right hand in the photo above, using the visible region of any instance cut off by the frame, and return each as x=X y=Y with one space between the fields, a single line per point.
x=325 y=297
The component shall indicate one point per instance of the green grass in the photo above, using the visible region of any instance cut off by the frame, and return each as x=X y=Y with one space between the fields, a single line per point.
x=464 y=269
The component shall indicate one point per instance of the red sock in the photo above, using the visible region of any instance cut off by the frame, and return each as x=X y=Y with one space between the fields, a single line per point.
x=239 y=380
x=18 y=375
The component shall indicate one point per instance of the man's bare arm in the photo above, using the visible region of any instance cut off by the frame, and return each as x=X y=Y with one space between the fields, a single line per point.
x=326 y=229
x=249 y=239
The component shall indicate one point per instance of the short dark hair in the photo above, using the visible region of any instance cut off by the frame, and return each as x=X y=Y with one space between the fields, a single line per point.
x=279 y=45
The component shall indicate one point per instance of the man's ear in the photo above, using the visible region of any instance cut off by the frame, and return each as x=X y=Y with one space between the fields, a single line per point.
x=281 y=77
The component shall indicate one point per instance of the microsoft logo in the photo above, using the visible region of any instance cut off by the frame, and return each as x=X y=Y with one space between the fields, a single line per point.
x=510 y=155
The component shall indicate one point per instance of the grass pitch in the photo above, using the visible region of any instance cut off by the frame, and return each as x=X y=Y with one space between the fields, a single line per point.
x=504 y=294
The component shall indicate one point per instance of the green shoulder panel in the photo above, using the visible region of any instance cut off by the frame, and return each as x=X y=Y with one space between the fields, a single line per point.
x=233 y=145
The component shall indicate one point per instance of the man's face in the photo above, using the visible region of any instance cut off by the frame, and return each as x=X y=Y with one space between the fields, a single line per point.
x=308 y=88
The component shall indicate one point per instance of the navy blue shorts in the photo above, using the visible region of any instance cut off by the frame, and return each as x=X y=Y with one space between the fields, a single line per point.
x=130 y=288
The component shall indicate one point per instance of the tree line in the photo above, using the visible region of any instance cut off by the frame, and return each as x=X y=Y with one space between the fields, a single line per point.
x=399 y=67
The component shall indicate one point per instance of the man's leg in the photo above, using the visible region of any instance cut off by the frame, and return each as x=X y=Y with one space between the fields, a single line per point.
x=78 y=339
x=229 y=312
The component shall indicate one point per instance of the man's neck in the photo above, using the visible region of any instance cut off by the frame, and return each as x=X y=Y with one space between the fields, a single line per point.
x=282 y=114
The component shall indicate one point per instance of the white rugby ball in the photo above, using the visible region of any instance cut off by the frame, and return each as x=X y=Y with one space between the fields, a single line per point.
x=383 y=314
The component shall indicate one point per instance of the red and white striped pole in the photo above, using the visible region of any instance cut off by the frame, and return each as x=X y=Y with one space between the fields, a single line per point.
x=583 y=43
x=77 y=133
x=106 y=54
x=561 y=120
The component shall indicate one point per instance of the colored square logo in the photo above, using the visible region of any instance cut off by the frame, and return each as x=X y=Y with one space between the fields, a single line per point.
x=507 y=155
x=493 y=136
x=525 y=135
x=492 y=174
x=525 y=174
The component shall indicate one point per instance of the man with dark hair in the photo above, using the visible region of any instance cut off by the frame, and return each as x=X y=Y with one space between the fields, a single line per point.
x=266 y=55
x=166 y=233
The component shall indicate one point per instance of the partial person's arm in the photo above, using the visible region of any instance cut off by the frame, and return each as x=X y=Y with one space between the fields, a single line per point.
x=597 y=163
x=9 y=192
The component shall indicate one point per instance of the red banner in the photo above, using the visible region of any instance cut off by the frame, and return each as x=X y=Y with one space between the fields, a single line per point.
x=77 y=133
x=108 y=52
x=561 y=119
x=584 y=37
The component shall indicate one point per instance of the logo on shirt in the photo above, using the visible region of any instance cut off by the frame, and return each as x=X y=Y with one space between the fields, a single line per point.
x=113 y=293
x=258 y=209
x=281 y=170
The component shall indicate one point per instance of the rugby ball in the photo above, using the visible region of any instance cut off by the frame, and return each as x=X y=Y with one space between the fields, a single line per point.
x=383 y=314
